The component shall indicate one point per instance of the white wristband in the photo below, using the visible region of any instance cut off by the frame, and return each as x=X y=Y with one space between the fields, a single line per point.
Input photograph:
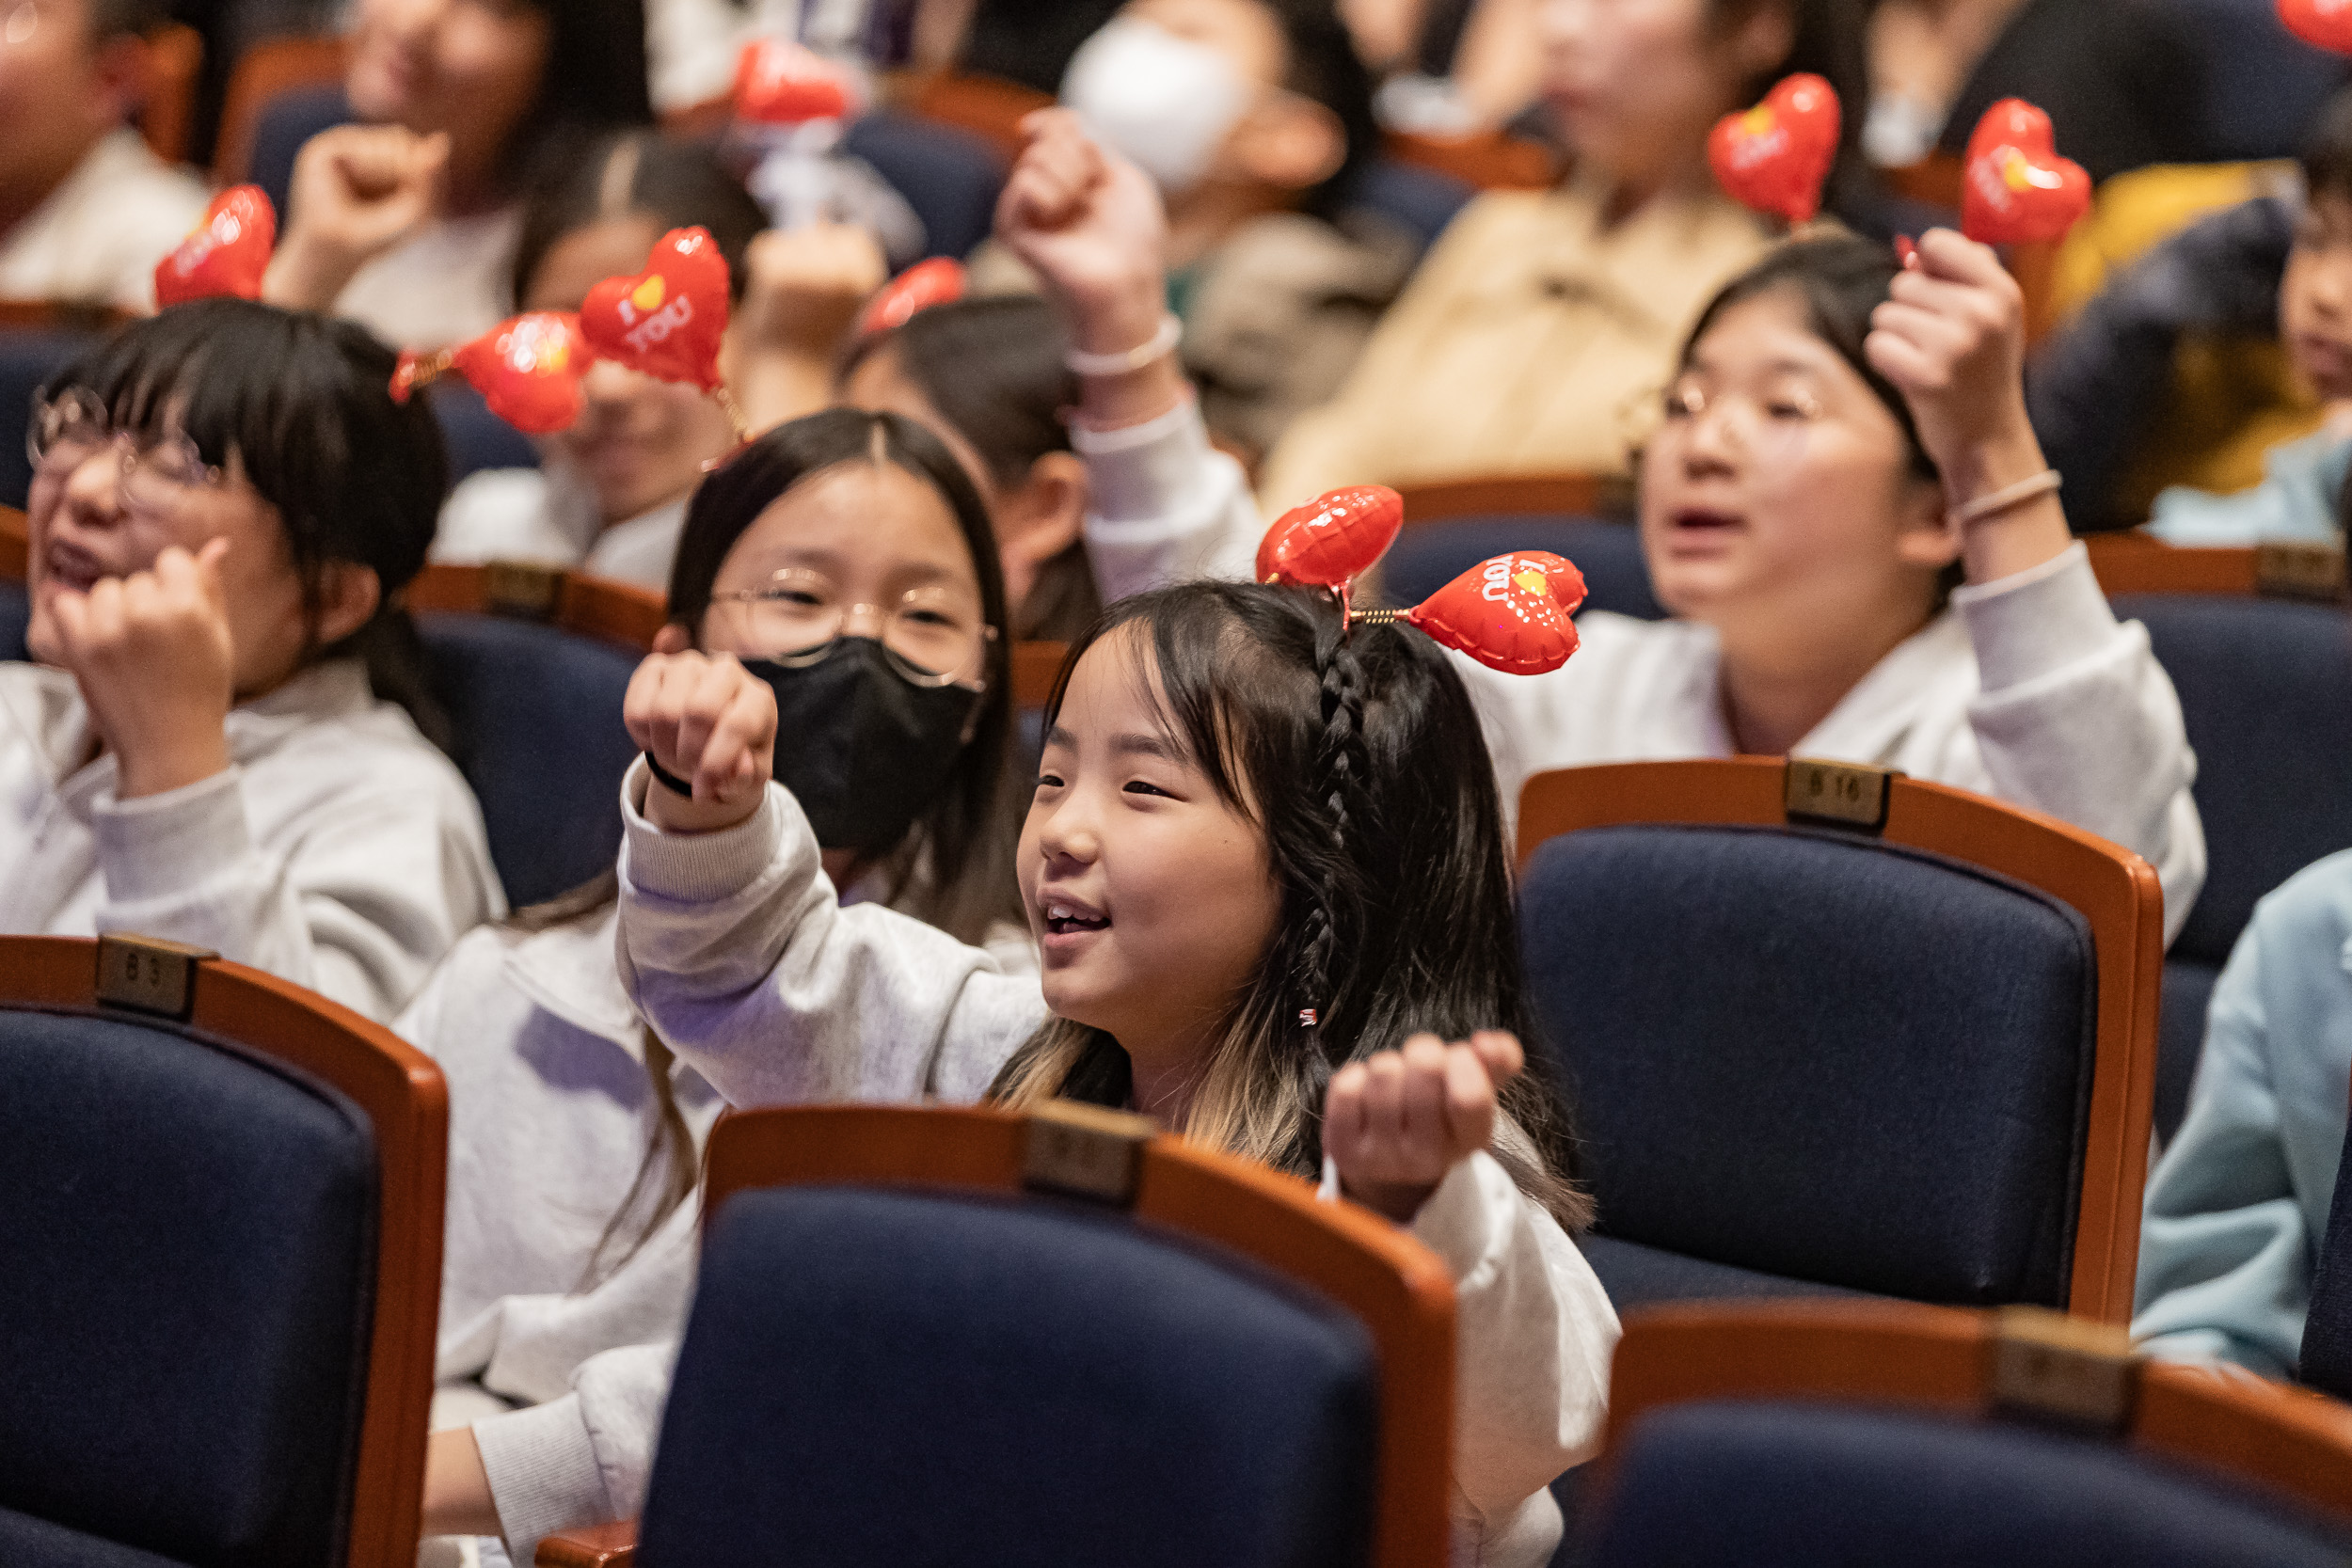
x=1162 y=344
x=1977 y=511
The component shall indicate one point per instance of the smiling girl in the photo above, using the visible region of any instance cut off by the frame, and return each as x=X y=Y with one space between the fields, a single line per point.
x=1245 y=823
x=226 y=506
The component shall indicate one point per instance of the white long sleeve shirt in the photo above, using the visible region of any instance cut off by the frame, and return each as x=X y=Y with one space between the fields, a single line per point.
x=2028 y=689
x=338 y=850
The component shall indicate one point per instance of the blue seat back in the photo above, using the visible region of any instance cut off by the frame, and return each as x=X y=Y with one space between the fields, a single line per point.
x=27 y=359
x=912 y=1378
x=16 y=614
x=1773 y=1485
x=1427 y=556
x=537 y=712
x=949 y=176
x=187 y=1301
x=1819 y=1057
x=1420 y=201
x=2327 y=1358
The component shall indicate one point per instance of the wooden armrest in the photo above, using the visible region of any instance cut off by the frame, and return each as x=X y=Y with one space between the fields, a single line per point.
x=595 y=1546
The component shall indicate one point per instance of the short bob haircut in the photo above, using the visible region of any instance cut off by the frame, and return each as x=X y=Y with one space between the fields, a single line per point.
x=955 y=870
x=304 y=403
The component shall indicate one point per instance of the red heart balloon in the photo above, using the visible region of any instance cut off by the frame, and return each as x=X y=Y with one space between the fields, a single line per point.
x=1510 y=613
x=2017 y=189
x=226 y=254
x=1331 y=539
x=2325 y=23
x=668 y=320
x=778 y=81
x=528 y=369
x=1774 y=157
x=937 y=281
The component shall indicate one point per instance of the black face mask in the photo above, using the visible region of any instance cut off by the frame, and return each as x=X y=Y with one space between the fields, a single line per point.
x=862 y=747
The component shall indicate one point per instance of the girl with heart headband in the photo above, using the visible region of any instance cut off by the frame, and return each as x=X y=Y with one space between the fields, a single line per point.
x=1845 y=507
x=224 y=739
x=609 y=494
x=901 y=751
x=1215 y=844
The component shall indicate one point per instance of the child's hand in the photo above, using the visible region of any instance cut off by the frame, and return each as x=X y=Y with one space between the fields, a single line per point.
x=156 y=664
x=1952 y=337
x=1091 y=226
x=359 y=190
x=804 y=288
x=1396 y=1122
x=709 y=722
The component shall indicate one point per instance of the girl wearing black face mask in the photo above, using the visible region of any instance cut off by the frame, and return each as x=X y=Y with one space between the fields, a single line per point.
x=847 y=559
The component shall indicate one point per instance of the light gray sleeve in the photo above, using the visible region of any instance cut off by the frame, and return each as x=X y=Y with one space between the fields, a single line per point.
x=583 y=1459
x=358 y=912
x=2075 y=717
x=1165 y=506
x=734 y=947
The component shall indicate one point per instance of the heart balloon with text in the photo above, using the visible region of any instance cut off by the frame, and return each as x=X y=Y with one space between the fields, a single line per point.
x=1774 y=158
x=224 y=255
x=778 y=81
x=1332 y=539
x=2016 y=188
x=528 y=369
x=2325 y=23
x=937 y=281
x=1510 y=613
x=669 y=320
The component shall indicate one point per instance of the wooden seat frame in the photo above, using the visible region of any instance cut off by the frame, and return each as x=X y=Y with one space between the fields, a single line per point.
x=2136 y=563
x=1376 y=1272
x=619 y=613
x=2115 y=891
x=2292 y=1442
x=1594 y=496
x=406 y=1103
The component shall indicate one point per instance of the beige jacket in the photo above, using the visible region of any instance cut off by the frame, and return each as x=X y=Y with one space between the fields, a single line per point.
x=1520 y=344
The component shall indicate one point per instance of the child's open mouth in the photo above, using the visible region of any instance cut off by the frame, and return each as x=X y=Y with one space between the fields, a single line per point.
x=1063 y=918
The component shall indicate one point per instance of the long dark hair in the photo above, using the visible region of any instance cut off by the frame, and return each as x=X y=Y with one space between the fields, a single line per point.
x=1324 y=68
x=995 y=368
x=955 y=870
x=594 y=79
x=304 y=402
x=1830 y=38
x=1358 y=754
x=593 y=177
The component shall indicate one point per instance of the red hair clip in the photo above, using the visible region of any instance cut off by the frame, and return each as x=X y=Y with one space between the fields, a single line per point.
x=668 y=321
x=937 y=281
x=226 y=254
x=527 y=369
x=1775 y=157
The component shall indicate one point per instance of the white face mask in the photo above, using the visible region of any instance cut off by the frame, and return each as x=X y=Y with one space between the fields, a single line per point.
x=1164 y=102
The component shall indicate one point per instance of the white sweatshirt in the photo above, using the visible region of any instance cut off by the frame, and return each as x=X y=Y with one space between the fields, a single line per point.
x=549 y=515
x=2028 y=689
x=733 y=945
x=338 y=850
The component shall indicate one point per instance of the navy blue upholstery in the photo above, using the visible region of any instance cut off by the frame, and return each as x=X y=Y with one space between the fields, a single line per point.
x=906 y=1378
x=27 y=359
x=16 y=612
x=1819 y=1056
x=1427 y=556
x=477 y=438
x=2327 y=1358
x=1799 y=1485
x=2266 y=692
x=537 y=712
x=2263 y=87
x=949 y=176
x=1630 y=1272
x=1419 y=200
x=279 y=130
x=186 y=1311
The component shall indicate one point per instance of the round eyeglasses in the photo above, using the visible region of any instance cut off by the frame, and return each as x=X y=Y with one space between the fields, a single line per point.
x=933 y=636
x=157 y=472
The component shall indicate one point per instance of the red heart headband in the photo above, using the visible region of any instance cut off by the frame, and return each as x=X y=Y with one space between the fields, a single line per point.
x=1775 y=157
x=2325 y=23
x=937 y=281
x=1510 y=613
x=779 y=83
x=2016 y=189
x=226 y=253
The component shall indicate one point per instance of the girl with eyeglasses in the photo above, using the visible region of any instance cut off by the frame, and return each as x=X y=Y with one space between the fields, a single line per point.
x=212 y=747
x=845 y=562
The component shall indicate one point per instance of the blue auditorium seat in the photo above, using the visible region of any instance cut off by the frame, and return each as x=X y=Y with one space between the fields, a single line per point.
x=537 y=711
x=28 y=360
x=2266 y=690
x=1800 y=1484
x=2326 y=1360
x=1427 y=556
x=185 y=1312
x=16 y=611
x=984 y=1382
x=1806 y=1059
x=1421 y=201
x=950 y=177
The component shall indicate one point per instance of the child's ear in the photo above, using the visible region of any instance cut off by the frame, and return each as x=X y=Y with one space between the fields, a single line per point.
x=1039 y=518
x=1289 y=142
x=1927 y=537
x=348 y=596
